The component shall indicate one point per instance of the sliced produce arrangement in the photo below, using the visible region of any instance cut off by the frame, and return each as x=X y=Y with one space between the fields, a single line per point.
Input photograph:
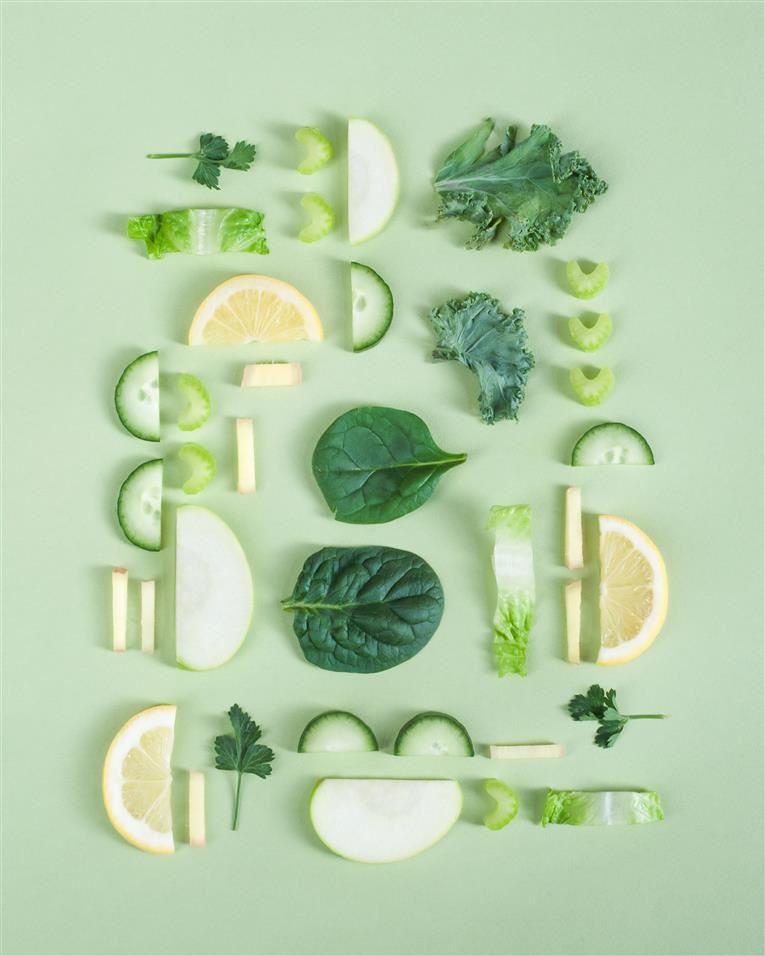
x=240 y=751
x=506 y=804
x=373 y=180
x=513 y=564
x=321 y=218
x=383 y=821
x=318 y=150
x=592 y=390
x=600 y=705
x=137 y=778
x=136 y=397
x=212 y=156
x=139 y=505
x=371 y=305
x=337 y=731
x=433 y=734
x=213 y=590
x=612 y=443
x=586 y=285
x=523 y=194
x=201 y=465
x=583 y=808
x=200 y=232
x=362 y=610
x=375 y=464
x=478 y=333
x=590 y=337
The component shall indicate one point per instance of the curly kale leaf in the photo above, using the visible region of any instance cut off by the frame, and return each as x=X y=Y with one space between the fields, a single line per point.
x=525 y=192
x=477 y=332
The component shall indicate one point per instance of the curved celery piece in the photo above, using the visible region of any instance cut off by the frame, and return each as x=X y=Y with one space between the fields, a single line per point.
x=202 y=465
x=506 y=804
x=585 y=285
x=587 y=808
x=318 y=149
x=589 y=338
x=198 y=407
x=592 y=391
x=322 y=218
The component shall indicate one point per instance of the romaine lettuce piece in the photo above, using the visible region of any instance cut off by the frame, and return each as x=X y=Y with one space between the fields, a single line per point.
x=587 y=808
x=514 y=572
x=200 y=232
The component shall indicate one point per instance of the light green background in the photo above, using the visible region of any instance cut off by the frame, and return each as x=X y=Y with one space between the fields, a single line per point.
x=665 y=100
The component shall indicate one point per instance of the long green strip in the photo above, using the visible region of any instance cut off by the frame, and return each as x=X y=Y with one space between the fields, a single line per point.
x=514 y=572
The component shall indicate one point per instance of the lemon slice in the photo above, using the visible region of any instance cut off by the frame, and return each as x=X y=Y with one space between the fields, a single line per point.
x=137 y=777
x=254 y=309
x=634 y=591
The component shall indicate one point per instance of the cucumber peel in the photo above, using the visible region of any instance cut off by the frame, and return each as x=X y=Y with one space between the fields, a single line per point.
x=202 y=465
x=586 y=285
x=589 y=338
x=322 y=218
x=318 y=149
x=592 y=391
x=197 y=409
x=506 y=804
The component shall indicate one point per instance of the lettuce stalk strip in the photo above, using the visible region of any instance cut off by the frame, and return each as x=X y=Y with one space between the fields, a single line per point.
x=200 y=232
x=586 y=808
x=514 y=573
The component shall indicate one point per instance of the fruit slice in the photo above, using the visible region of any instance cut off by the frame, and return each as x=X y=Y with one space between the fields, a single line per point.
x=372 y=305
x=197 y=399
x=139 y=506
x=592 y=391
x=272 y=375
x=119 y=608
x=245 y=456
x=197 y=828
x=136 y=397
x=589 y=338
x=337 y=731
x=585 y=285
x=318 y=149
x=254 y=309
x=322 y=218
x=213 y=590
x=574 y=556
x=433 y=734
x=506 y=804
x=202 y=465
x=612 y=443
x=372 y=180
x=137 y=777
x=383 y=821
x=634 y=591
x=573 y=621
x=148 y=603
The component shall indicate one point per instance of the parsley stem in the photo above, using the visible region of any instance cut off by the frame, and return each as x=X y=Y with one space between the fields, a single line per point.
x=646 y=716
x=170 y=155
x=235 y=824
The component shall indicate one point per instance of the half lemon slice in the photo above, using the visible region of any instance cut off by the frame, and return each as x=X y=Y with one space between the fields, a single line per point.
x=634 y=591
x=137 y=778
x=254 y=309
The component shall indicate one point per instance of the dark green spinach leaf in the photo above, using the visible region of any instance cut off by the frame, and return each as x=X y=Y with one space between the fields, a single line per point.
x=364 y=609
x=374 y=464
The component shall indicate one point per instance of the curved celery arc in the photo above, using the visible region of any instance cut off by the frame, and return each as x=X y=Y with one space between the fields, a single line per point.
x=200 y=232
x=589 y=338
x=582 y=808
x=514 y=572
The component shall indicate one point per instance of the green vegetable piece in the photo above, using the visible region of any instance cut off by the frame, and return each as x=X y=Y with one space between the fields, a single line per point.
x=589 y=338
x=586 y=285
x=433 y=734
x=337 y=731
x=242 y=753
x=198 y=406
x=212 y=156
x=136 y=397
x=477 y=332
x=514 y=573
x=375 y=464
x=580 y=808
x=506 y=804
x=318 y=149
x=322 y=218
x=139 y=505
x=612 y=443
x=200 y=232
x=202 y=465
x=363 y=610
x=371 y=304
x=592 y=391
x=524 y=194
x=599 y=704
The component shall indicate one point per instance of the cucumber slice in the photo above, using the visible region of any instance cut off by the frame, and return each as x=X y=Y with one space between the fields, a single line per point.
x=433 y=734
x=197 y=409
x=136 y=397
x=202 y=465
x=612 y=443
x=139 y=506
x=506 y=804
x=592 y=391
x=318 y=149
x=336 y=731
x=585 y=285
x=322 y=218
x=589 y=338
x=372 y=180
x=372 y=304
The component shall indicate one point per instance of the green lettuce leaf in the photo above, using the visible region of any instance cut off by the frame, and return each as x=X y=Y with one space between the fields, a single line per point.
x=514 y=573
x=601 y=807
x=526 y=193
x=200 y=232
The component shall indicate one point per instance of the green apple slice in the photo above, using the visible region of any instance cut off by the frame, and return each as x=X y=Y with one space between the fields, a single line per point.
x=383 y=821
x=372 y=180
x=213 y=590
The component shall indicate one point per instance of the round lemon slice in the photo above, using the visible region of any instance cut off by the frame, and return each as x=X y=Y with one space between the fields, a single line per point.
x=634 y=591
x=254 y=309
x=137 y=778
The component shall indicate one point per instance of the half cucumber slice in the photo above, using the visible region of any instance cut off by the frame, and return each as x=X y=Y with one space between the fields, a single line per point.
x=612 y=443
x=337 y=731
x=139 y=506
x=136 y=397
x=372 y=304
x=433 y=734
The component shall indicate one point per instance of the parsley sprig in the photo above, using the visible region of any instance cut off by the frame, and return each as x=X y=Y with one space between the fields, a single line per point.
x=599 y=704
x=212 y=156
x=242 y=753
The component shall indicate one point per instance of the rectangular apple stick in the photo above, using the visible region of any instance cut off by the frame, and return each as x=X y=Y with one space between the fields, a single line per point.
x=148 y=595
x=245 y=453
x=197 y=828
x=272 y=375
x=119 y=608
x=525 y=751
x=574 y=556
x=573 y=621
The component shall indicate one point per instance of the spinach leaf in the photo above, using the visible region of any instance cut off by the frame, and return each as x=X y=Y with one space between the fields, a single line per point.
x=374 y=464
x=364 y=609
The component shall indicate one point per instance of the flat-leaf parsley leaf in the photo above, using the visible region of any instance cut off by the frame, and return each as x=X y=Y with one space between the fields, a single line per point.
x=599 y=704
x=212 y=155
x=242 y=753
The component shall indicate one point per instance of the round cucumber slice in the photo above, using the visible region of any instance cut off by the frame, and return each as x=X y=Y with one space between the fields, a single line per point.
x=139 y=506
x=612 y=443
x=372 y=180
x=506 y=804
x=592 y=391
x=136 y=397
x=336 y=731
x=433 y=734
x=585 y=285
x=202 y=467
x=372 y=304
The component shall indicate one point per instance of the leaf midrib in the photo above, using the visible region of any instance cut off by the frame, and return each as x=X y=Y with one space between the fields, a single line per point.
x=450 y=460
